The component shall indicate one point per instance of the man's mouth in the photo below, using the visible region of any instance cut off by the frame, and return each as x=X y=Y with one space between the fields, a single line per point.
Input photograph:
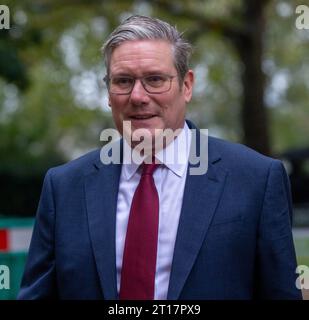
x=142 y=117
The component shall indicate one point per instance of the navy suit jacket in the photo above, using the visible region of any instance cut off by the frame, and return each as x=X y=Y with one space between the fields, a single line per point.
x=234 y=237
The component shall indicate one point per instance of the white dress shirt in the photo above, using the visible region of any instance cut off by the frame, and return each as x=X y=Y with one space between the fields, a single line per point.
x=169 y=178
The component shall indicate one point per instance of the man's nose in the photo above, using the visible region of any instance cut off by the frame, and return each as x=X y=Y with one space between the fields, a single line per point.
x=138 y=93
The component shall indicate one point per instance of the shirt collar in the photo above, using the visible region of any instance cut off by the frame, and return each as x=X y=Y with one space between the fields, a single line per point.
x=174 y=156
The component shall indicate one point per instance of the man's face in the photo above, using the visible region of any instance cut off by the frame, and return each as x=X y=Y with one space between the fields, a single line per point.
x=166 y=110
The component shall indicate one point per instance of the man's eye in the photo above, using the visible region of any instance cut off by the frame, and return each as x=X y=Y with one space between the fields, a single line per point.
x=121 y=81
x=155 y=80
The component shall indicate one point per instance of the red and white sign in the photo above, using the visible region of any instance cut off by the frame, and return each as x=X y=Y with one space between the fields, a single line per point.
x=15 y=239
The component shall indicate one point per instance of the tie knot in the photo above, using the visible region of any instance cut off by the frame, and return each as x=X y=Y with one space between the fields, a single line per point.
x=149 y=168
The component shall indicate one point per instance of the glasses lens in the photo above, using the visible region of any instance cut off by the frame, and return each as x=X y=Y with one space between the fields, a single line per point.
x=157 y=83
x=121 y=85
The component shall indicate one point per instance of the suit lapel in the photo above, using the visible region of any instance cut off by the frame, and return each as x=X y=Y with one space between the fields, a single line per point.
x=201 y=197
x=101 y=190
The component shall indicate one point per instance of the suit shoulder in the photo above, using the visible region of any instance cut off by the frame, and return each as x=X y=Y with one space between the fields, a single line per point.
x=238 y=155
x=77 y=167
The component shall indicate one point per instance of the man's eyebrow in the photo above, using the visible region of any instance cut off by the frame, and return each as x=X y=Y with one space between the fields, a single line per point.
x=122 y=74
x=145 y=74
x=154 y=72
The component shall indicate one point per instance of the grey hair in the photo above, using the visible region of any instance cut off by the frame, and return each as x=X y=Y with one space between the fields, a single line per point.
x=139 y=27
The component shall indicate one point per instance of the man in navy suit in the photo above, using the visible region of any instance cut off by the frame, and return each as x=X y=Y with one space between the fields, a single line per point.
x=222 y=234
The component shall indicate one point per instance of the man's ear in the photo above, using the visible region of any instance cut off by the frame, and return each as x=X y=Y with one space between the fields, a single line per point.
x=109 y=102
x=188 y=82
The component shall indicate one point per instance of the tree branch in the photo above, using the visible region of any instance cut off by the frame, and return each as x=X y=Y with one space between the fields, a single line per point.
x=203 y=23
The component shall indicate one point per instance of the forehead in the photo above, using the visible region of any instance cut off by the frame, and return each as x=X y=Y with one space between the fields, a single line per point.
x=142 y=56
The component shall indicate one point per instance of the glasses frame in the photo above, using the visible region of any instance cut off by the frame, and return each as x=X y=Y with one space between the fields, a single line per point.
x=107 y=80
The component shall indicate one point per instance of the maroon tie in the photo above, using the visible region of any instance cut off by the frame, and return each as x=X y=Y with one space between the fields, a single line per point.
x=140 y=251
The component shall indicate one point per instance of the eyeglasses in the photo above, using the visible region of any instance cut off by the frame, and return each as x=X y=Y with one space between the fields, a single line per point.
x=155 y=84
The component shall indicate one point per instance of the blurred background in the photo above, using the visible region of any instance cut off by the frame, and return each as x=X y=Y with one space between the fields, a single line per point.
x=252 y=86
